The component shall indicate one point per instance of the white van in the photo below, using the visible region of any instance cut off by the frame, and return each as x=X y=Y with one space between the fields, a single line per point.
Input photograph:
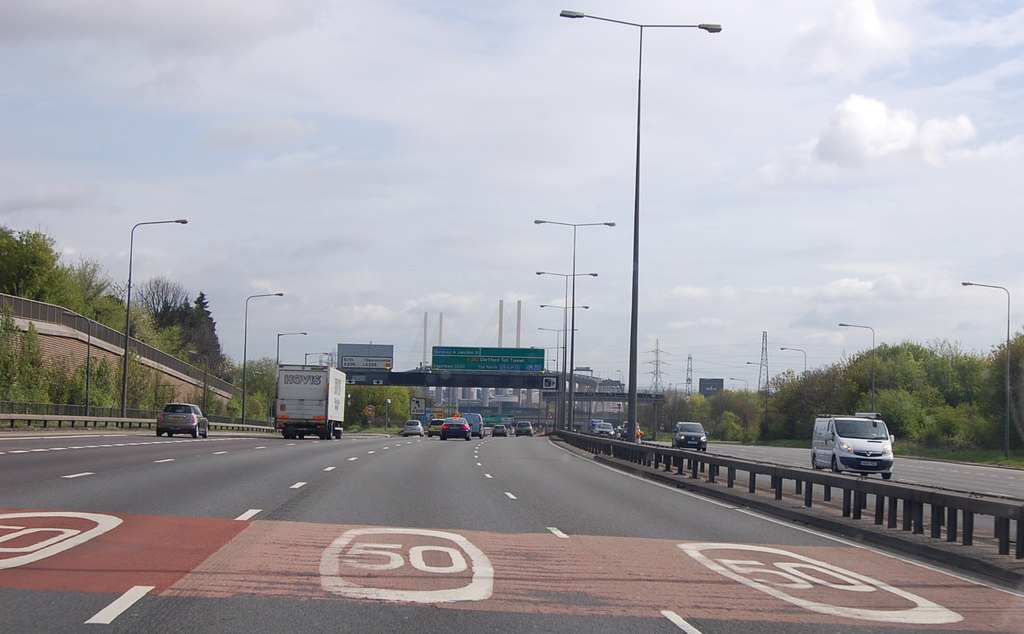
x=859 y=444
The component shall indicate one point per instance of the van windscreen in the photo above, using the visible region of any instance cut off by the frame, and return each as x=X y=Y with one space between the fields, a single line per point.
x=861 y=428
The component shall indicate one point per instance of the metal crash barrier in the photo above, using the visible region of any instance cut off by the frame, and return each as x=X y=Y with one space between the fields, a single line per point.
x=911 y=508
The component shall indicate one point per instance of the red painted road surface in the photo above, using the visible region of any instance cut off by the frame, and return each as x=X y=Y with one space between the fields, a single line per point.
x=468 y=570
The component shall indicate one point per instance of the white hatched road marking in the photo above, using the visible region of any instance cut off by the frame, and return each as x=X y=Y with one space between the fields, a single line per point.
x=557 y=533
x=248 y=514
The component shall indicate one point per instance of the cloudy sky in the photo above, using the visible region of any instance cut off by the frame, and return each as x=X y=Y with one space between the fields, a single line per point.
x=376 y=161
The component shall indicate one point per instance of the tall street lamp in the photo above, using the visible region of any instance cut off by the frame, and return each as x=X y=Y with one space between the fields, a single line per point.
x=128 y=308
x=1006 y=439
x=559 y=348
x=566 y=380
x=803 y=376
x=872 y=359
x=710 y=28
x=245 y=342
x=572 y=326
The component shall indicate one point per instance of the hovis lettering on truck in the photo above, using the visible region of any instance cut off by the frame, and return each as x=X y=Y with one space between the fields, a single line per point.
x=310 y=401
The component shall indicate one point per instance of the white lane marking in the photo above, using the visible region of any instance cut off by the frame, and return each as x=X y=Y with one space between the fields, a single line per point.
x=679 y=622
x=353 y=458
x=479 y=464
x=19 y=451
x=488 y=476
x=78 y=475
x=329 y=469
x=164 y=460
x=107 y=615
x=371 y=452
x=248 y=514
x=259 y=447
x=510 y=496
x=297 y=485
x=219 y=453
x=557 y=533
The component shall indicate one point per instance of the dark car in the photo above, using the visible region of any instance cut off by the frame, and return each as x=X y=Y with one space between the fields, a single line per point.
x=182 y=418
x=499 y=430
x=524 y=428
x=691 y=436
x=434 y=427
x=455 y=428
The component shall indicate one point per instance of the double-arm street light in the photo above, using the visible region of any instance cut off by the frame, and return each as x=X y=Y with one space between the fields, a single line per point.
x=872 y=359
x=710 y=28
x=1006 y=439
x=572 y=310
x=128 y=308
x=245 y=342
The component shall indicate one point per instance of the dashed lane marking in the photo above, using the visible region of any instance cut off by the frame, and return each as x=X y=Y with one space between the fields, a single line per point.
x=297 y=485
x=353 y=458
x=679 y=622
x=251 y=513
x=78 y=475
x=164 y=460
x=107 y=615
x=510 y=496
x=328 y=468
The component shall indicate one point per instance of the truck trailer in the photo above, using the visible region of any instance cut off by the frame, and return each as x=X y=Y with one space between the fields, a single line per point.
x=310 y=401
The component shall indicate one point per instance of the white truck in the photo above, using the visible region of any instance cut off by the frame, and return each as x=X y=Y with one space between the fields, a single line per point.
x=310 y=401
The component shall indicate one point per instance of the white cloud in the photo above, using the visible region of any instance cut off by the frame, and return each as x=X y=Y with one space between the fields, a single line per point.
x=852 y=41
x=864 y=131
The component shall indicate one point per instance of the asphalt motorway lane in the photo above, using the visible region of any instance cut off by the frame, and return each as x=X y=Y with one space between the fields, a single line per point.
x=128 y=532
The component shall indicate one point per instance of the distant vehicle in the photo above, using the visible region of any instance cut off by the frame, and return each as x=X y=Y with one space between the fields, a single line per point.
x=434 y=427
x=182 y=418
x=413 y=428
x=524 y=428
x=310 y=401
x=499 y=430
x=476 y=424
x=455 y=427
x=859 y=444
x=690 y=435
x=602 y=428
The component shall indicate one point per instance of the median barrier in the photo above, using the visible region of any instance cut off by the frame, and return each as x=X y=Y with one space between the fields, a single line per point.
x=928 y=521
x=46 y=421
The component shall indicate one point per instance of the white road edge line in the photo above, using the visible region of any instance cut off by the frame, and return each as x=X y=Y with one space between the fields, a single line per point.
x=557 y=533
x=248 y=515
x=679 y=622
x=297 y=485
x=78 y=475
x=510 y=496
x=107 y=615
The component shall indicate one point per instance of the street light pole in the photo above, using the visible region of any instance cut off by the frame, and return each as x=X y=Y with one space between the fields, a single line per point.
x=1006 y=438
x=277 y=359
x=872 y=359
x=710 y=28
x=128 y=308
x=561 y=384
x=245 y=342
x=572 y=331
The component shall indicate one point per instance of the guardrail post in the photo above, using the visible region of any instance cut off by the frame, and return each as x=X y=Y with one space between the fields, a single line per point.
x=968 y=528
x=808 y=494
x=730 y=477
x=752 y=486
x=778 y=486
x=951 y=524
x=859 y=501
x=799 y=487
x=827 y=494
x=918 y=519
x=846 y=502
x=1003 y=534
x=937 y=512
x=879 y=509
x=1019 y=551
x=712 y=473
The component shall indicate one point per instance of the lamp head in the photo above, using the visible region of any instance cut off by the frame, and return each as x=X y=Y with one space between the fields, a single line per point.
x=966 y=283
x=571 y=14
x=181 y=221
x=710 y=28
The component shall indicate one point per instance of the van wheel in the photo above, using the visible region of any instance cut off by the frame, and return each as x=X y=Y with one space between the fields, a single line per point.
x=835 y=466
